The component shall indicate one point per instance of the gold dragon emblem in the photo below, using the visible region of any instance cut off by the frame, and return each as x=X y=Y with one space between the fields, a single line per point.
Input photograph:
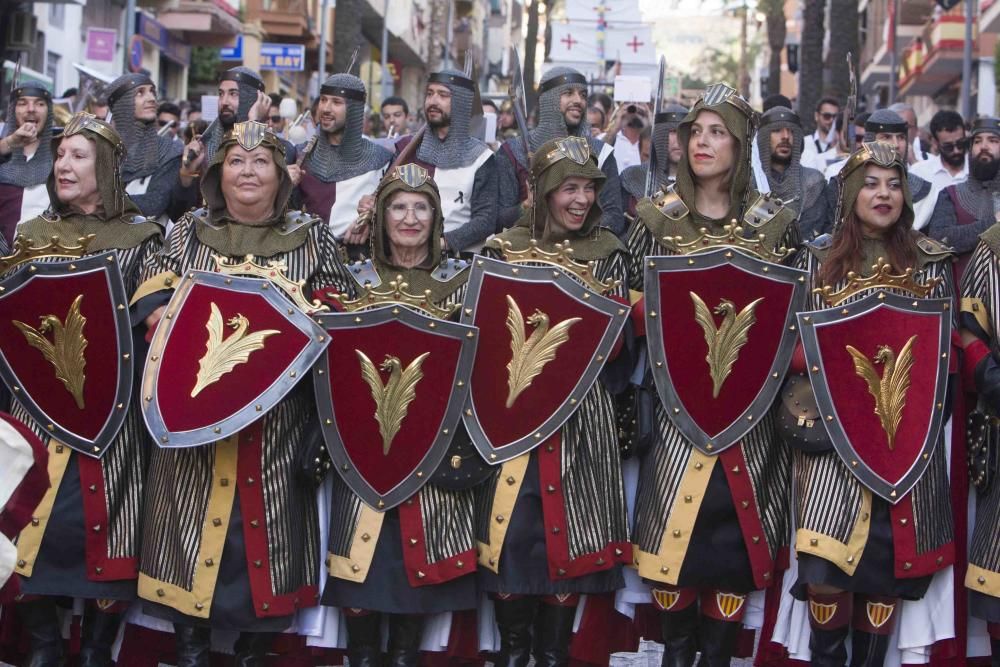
x=530 y=355
x=725 y=340
x=223 y=354
x=65 y=350
x=393 y=398
x=889 y=389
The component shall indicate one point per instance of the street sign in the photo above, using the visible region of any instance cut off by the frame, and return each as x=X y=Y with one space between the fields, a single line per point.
x=101 y=44
x=283 y=57
x=234 y=52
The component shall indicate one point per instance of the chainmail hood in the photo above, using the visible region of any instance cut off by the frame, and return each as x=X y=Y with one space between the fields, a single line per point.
x=355 y=155
x=250 y=84
x=18 y=170
x=634 y=178
x=458 y=149
x=974 y=195
x=146 y=150
x=551 y=122
x=786 y=186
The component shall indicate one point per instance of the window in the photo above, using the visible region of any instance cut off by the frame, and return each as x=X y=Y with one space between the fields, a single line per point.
x=52 y=68
x=57 y=14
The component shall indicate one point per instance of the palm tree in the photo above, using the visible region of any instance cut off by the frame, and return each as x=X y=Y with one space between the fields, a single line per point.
x=811 y=60
x=844 y=26
x=774 y=10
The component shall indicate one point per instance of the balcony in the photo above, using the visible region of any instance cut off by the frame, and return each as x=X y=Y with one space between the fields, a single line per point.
x=283 y=20
x=203 y=22
x=934 y=60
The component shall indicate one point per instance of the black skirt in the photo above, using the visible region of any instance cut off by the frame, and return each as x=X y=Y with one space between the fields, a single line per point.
x=61 y=566
x=875 y=574
x=984 y=606
x=387 y=588
x=717 y=556
x=524 y=568
x=232 y=601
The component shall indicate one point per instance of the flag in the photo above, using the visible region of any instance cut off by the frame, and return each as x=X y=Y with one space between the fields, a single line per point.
x=629 y=44
x=573 y=42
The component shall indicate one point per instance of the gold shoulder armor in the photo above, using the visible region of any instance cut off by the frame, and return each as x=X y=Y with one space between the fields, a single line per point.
x=670 y=204
x=935 y=250
x=764 y=209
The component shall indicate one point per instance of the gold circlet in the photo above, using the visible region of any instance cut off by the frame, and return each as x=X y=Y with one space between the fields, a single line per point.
x=561 y=257
x=395 y=293
x=731 y=237
x=276 y=272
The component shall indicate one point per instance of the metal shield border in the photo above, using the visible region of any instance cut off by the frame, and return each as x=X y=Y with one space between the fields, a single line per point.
x=468 y=336
x=665 y=385
x=808 y=324
x=550 y=275
x=318 y=340
x=108 y=264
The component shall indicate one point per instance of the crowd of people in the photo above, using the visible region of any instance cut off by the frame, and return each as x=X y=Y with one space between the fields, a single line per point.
x=712 y=446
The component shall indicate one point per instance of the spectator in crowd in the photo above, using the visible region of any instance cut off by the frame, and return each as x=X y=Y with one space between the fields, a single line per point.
x=821 y=146
x=394 y=115
x=950 y=165
x=276 y=122
x=596 y=119
x=907 y=113
x=194 y=112
x=166 y=113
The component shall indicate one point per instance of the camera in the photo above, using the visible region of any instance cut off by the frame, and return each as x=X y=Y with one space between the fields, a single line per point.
x=632 y=108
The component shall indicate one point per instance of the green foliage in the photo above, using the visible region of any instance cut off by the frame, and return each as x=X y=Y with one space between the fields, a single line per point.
x=722 y=64
x=204 y=62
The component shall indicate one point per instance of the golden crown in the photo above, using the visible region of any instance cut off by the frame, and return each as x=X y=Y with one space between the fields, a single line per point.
x=395 y=293
x=882 y=278
x=276 y=273
x=562 y=257
x=24 y=251
x=732 y=236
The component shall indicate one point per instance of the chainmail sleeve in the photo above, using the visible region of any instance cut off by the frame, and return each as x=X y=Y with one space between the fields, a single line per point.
x=159 y=195
x=509 y=191
x=944 y=227
x=484 y=209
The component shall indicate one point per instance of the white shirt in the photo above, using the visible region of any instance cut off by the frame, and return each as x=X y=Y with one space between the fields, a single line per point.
x=626 y=153
x=932 y=169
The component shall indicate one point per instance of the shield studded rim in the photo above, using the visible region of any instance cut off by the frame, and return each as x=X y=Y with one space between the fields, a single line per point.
x=810 y=321
x=106 y=262
x=453 y=413
x=225 y=428
x=665 y=386
x=618 y=314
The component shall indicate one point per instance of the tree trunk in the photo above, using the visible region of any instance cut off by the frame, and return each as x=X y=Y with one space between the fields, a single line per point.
x=811 y=61
x=776 y=33
x=530 y=50
x=346 y=34
x=844 y=25
x=437 y=35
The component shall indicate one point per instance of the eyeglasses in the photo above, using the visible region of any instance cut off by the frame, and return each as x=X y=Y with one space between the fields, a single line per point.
x=164 y=123
x=275 y=119
x=422 y=212
x=953 y=146
x=826 y=115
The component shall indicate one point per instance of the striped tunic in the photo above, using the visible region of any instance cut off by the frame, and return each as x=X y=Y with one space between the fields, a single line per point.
x=674 y=478
x=436 y=523
x=112 y=544
x=582 y=468
x=981 y=301
x=191 y=491
x=832 y=507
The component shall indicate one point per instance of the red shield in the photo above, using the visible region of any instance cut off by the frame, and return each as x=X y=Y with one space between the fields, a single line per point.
x=66 y=348
x=720 y=330
x=896 y=348
x=227 y=350
x=544 y=338
x=390 y=389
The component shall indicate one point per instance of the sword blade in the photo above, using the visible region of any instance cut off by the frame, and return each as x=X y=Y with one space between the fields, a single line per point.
x=657 y=106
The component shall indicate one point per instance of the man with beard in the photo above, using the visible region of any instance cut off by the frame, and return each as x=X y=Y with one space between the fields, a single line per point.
x=779 y=140
x=25 y=157
x=966 y=210
x=463 y=167
x=152 y=161
x=241 y=98
x=340 y=165
x=950 y=165
x=562 y=108
x=668 y=154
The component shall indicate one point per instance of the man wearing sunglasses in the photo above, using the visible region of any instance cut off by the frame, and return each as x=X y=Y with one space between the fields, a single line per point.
x=824 y=139
x=950 y=165
x=169 y=113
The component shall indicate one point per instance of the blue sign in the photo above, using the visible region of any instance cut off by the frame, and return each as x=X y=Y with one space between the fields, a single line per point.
x=283 y=57
x=234 y=52
x=157 y=35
